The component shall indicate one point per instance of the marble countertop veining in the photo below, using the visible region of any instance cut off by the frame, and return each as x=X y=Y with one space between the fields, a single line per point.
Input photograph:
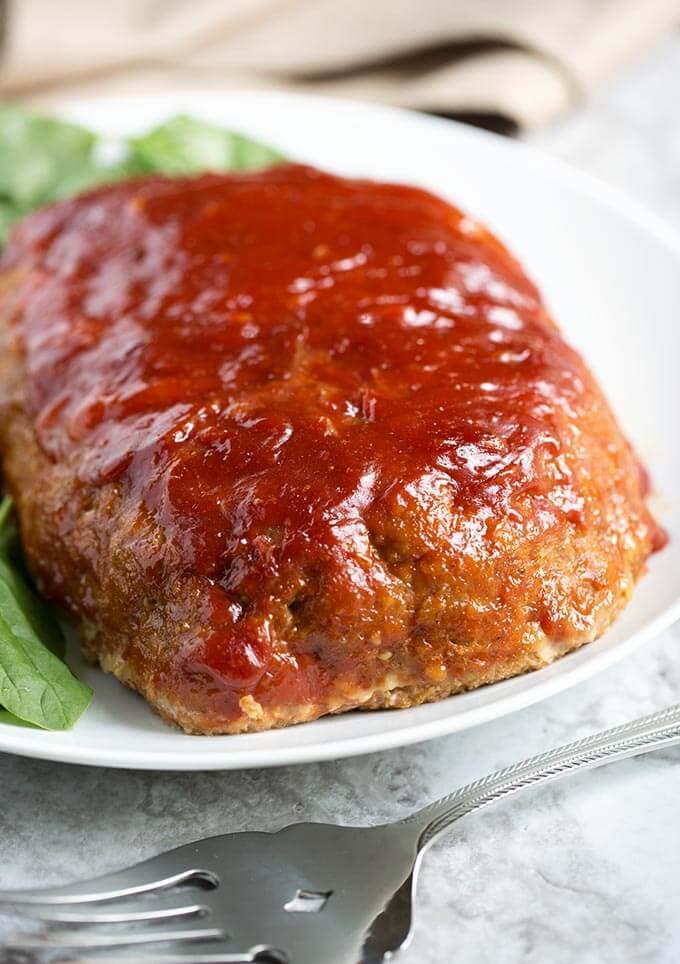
x=585 y=871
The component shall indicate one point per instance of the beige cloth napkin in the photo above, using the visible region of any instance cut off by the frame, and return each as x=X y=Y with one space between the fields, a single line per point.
x=522 y=60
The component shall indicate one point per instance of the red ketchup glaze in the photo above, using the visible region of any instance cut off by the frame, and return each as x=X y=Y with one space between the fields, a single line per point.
x=259 y=358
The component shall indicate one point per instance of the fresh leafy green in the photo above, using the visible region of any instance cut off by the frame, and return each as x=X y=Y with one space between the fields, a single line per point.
x=7 y=528
x=185 y=145
x=250 y=154
x=8 y=215
x=36 y=686
x=44 y=159
x=36 y=153
x=92 y=174
x=7 y=717
x=17 y=576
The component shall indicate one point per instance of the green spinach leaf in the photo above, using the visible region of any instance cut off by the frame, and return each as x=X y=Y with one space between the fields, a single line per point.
x=36 y=153
x=44 y=159
x=185 y=145
x=35 y=684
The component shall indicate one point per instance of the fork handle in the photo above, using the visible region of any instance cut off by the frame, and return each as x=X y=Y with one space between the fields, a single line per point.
x=649 y=733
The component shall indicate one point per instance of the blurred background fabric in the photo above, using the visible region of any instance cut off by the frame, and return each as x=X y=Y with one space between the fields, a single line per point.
x=504 y=63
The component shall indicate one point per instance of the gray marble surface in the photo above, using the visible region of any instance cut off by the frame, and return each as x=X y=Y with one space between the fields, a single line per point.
x=583 y=872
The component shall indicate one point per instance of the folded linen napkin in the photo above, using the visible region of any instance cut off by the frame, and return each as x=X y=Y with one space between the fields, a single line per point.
x=522 y=61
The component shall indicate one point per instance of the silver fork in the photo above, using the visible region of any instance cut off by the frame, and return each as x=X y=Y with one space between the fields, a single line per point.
x=309 y=894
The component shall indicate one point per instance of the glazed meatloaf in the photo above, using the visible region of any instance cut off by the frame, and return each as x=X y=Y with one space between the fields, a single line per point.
x=285 y=444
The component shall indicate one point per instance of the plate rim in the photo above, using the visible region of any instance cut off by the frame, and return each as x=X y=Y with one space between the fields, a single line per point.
x=360 y=744
x=539 y=684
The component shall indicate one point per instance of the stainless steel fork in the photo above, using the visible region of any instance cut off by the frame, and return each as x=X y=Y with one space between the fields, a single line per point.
x=309 y=894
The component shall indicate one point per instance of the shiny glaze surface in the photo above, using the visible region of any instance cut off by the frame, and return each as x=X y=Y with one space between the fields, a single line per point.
x=266 y=362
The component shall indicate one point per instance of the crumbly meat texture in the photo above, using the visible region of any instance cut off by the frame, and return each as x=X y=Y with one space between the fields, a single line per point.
x=285 y=444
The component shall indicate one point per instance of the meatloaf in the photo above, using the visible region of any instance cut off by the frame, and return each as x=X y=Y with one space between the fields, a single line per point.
x=286 y=444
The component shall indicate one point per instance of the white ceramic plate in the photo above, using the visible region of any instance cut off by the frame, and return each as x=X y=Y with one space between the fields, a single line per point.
x=611 y=275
